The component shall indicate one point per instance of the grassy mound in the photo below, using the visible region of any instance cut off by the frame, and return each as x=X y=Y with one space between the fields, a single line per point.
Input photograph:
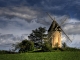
x=42 y=56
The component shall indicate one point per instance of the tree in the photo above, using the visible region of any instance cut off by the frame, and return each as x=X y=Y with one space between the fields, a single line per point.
x=64 y=45
x=25 y=46
x=37 y=36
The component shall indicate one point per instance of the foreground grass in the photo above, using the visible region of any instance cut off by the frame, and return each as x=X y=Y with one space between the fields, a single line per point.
x=42 y=56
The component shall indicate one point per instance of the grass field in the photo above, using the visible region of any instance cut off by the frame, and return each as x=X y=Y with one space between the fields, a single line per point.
x=42 y=56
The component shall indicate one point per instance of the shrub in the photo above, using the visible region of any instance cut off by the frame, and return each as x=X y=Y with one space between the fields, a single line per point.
x=64 y=45
x=46 y=47
x=25 y=46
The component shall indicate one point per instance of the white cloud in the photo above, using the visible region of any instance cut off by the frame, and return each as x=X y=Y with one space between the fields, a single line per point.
x=20 y=12
x=72 y=28
x=17 y=26
x=75 y=40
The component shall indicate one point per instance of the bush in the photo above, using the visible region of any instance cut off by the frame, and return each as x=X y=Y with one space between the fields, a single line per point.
x=71 y=49
x=26 y=46
x=7 y=52
x=46 y=47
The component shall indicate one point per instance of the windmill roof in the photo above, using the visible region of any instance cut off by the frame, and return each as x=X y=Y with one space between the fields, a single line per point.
x=53 y=25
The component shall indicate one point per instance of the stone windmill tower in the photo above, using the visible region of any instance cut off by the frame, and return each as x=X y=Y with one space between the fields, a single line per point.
x=54 y=34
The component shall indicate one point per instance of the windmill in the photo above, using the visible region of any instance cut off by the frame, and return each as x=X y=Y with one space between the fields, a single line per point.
x=54 y=33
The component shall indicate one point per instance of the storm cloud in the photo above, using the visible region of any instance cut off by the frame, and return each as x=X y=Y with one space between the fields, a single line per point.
x=20 y=17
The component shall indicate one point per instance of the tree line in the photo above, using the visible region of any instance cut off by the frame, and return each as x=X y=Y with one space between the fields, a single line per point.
x=37 y=41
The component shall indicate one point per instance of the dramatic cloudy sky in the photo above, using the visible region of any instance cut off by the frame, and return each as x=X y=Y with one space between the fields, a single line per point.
x=19 y=17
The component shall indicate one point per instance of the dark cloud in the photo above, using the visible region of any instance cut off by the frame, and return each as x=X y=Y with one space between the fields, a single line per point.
x=10 y=3
x=18 y=17
x=33 y=8
x=7 y=40
x=72 y=27
x=26 y=13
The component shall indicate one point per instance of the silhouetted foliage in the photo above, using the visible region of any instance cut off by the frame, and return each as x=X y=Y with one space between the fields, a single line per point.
x=7 y=52
x=37 y=36
x=25 y=46
x=46 y=47
x=71 y=49
x=64 y=45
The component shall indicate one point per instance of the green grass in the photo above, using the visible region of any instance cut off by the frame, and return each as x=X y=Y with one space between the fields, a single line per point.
x=42 y=56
